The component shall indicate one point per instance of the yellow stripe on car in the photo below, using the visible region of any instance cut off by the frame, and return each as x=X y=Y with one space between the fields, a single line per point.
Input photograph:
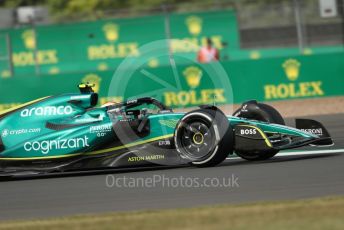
x=90 y=153
x=129 y=145
x=261 y=133
x=22 y=105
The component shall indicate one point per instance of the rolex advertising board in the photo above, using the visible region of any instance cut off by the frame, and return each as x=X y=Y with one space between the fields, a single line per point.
x=288 y=78
x=193 y=87
x=192 y=31
x=102 y=45
x=193 y=84
x=293 y=88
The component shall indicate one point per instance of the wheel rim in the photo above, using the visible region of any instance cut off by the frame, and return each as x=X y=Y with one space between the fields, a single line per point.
x=197 y=139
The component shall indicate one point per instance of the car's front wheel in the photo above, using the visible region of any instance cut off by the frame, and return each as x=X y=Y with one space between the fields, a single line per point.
x=204 y=137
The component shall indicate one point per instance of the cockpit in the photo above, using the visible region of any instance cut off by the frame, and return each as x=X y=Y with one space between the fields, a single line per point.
x=137 y=108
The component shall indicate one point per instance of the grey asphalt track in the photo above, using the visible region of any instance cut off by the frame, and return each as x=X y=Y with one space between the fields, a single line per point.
x=283 y=177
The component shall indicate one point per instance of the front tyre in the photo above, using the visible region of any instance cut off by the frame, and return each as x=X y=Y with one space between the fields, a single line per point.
x=204 y=137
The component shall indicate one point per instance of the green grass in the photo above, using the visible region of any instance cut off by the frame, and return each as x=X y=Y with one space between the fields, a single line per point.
x=312 y=214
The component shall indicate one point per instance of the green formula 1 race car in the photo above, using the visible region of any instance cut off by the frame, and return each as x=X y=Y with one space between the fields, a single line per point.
x=68 y=133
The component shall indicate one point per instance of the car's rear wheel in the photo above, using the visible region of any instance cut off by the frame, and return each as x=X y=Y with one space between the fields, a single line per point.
x=263 y=113
x=204 y=137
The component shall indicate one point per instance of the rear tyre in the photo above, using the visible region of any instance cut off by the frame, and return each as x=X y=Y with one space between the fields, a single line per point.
x=265 y=113
x=204 y=137
x=257 y=156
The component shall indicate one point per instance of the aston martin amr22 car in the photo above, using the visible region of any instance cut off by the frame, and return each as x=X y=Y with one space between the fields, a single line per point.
x=68 y=133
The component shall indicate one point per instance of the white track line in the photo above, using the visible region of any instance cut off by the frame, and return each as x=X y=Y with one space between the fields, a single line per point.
x=310 y=152
x=296 y=153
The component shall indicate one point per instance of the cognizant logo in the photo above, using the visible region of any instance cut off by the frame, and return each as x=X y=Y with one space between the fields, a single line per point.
x=46 y=146
x=47 y=111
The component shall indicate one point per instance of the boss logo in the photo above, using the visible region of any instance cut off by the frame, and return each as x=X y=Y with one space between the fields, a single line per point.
x=248 y=131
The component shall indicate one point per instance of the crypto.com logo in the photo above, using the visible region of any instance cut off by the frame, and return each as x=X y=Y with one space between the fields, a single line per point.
x=5 y=133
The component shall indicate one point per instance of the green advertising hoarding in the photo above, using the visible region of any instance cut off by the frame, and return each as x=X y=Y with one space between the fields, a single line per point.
x=192 y=31
x=102 y=45
x=193 y=84
x=288 y=78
